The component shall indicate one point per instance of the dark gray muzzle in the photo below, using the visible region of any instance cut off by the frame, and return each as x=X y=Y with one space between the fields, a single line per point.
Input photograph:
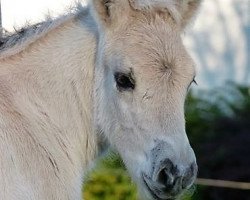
x=167 y=180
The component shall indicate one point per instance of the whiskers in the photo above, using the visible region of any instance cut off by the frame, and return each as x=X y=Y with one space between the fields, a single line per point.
x=188 y=193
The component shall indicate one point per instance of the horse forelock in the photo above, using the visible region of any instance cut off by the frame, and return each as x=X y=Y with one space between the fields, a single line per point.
x=169 y=6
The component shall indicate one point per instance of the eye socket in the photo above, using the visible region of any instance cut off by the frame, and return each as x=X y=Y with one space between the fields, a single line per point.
x=124 y=81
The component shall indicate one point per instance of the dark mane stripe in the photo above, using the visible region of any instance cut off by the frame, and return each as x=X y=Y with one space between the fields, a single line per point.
x=29 y=32
x=11 y=39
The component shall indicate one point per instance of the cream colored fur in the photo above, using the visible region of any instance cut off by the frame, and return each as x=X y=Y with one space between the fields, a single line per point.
x=57 y=90
x=46 y=135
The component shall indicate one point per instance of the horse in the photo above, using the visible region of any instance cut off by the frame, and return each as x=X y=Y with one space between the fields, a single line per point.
x=113 y=71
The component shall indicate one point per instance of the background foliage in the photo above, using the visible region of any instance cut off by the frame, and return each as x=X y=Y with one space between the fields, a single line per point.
x=219 y=131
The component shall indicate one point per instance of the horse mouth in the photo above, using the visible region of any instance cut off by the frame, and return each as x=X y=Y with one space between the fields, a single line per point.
x=152 y=192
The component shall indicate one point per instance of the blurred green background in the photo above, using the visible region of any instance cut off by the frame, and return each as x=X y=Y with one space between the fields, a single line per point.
x=218 y=126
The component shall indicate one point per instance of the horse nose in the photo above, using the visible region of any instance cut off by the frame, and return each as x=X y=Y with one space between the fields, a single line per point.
x=166 y=174
x=169 y=181
x=171 y=177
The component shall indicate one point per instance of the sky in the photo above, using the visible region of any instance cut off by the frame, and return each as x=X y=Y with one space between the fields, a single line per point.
x=18 y=12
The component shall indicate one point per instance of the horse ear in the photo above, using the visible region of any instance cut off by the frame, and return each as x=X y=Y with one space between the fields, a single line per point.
x=104 y=11
x=188 y=10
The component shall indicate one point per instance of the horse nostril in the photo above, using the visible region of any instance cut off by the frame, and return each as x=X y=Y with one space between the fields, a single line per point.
x=172 y=179
x=169 y=180
x=166 y=178
x=167 y=174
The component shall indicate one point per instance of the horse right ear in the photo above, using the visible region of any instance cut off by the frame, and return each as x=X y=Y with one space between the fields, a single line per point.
x=104 y=11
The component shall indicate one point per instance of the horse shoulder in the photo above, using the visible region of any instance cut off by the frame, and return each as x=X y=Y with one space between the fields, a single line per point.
x=31 y=142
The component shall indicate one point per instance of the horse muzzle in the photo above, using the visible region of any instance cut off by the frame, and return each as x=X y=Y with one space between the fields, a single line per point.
x=168 y=180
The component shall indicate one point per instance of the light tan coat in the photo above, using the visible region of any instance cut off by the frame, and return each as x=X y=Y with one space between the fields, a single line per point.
x=53 y=97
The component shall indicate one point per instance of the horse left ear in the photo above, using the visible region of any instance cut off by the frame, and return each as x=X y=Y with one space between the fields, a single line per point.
x=102 y=10
x=188 y=9
x=108 y=12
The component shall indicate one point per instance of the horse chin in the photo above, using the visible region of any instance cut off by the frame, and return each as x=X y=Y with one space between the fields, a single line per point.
x=145 y=194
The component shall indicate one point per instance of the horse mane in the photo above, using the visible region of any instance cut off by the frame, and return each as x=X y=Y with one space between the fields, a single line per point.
x=12 y=43
x=11 y=39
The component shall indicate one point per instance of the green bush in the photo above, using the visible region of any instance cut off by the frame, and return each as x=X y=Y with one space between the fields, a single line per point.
x=110 y=181
x=110 y=184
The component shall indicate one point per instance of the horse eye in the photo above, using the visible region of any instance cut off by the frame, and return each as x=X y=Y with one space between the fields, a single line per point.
x=124 y=81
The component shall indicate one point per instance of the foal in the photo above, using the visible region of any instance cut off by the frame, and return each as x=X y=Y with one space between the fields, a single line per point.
x=116 y=69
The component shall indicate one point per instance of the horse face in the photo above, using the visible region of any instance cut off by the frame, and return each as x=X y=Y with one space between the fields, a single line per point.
x=142 y=76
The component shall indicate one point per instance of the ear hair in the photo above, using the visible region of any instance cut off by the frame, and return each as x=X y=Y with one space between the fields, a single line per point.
x=180 y=10
x=102 y=10
x=189 y=10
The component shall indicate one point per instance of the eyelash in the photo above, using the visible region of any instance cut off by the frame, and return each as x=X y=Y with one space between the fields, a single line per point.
x=194 y=81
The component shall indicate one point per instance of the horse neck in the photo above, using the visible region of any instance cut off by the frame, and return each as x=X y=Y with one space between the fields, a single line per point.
x=55 y=77
x=75 y=74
